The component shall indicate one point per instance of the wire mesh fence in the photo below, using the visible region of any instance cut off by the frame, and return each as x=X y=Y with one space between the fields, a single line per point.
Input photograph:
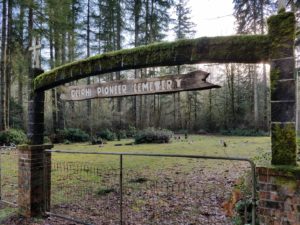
x=130 y=189
x=9 y=175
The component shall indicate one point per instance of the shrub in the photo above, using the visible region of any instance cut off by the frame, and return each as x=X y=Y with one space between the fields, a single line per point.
x=76 y=135
x=47 y=139
x=106 y=134
x=131 y=132
x=13 y=136
x=71 y=135
x=96 y=141
x=151 y=135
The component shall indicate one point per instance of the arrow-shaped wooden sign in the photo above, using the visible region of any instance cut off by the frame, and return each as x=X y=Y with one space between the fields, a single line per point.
x=159 y=85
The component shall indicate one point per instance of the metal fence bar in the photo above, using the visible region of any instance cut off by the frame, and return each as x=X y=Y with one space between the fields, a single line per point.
x=121 y=189
x=121 y=154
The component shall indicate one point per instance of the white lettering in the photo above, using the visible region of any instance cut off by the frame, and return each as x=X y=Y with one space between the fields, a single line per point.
x=151 y=86
x=145 y=86
x=106 y=90
x=111 y=90
x=163 y=85
x=124 y=89
x=157 y=85
x=178 y=83
x=169 y=84
x=134 y=88
x=88 y=92
x=73 y=92
x=99 y=91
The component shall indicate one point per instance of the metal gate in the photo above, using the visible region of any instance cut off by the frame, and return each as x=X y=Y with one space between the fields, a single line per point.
x=121 y=188
x=9 y=175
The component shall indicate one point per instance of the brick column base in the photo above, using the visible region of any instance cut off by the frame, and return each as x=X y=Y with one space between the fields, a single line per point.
x=279 y=196
x=34 y=180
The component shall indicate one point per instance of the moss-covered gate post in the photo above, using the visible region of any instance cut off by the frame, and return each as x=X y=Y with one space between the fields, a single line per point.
x=34 y=174
x=283 y=88
x=279 y=184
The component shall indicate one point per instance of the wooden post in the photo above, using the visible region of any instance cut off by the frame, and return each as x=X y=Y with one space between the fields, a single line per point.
x=34 y=170
x=36 y=113
x=283 y=88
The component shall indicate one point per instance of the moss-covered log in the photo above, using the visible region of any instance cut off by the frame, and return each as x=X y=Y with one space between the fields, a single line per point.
x=239 y=49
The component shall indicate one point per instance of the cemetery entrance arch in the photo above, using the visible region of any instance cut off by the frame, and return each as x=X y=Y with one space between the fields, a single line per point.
x=275 y=48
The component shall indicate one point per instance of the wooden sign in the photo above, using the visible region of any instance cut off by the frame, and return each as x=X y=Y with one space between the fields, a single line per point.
x=159 y=85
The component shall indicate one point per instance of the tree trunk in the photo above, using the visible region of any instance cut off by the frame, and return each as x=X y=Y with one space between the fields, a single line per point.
x=3 y=125
x=9 y=62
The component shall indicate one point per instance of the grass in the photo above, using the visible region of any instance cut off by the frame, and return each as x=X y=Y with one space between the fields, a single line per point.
x=248 y=147
x=141 y=169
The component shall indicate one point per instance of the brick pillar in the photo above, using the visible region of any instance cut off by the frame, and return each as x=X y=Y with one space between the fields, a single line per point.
x=34 y=180
x=279 y=196
x=283 y=88
x=34 y=163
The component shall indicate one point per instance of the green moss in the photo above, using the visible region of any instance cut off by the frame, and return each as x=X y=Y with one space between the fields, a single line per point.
x=275 y=74
x=286 y=182
x=240 y=49
x=282 y=34
x=284 y=144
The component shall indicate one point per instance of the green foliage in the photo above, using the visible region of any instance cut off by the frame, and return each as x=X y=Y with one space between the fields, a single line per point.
x=14 y=136
x=244 y=132
x=284 y=144
x=106 y=134
x=16 y=119
x=151 y=135
x=67 y=142
x=70 y=135
x=47 y=139
x=122 y=134
x=96 y=140
x=244 y=185
x=263 y=158
x=131 y=132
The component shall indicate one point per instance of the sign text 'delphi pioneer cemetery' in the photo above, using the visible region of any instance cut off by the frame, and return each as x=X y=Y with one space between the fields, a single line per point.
x=167 y=84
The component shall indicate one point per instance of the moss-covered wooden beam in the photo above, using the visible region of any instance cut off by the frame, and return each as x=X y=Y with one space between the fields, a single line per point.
x=239 y=49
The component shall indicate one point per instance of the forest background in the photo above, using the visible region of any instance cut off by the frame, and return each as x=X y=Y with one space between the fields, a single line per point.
x=71 y=29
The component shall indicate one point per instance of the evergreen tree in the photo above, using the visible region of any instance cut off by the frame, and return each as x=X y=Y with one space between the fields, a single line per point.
x=184 y=27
